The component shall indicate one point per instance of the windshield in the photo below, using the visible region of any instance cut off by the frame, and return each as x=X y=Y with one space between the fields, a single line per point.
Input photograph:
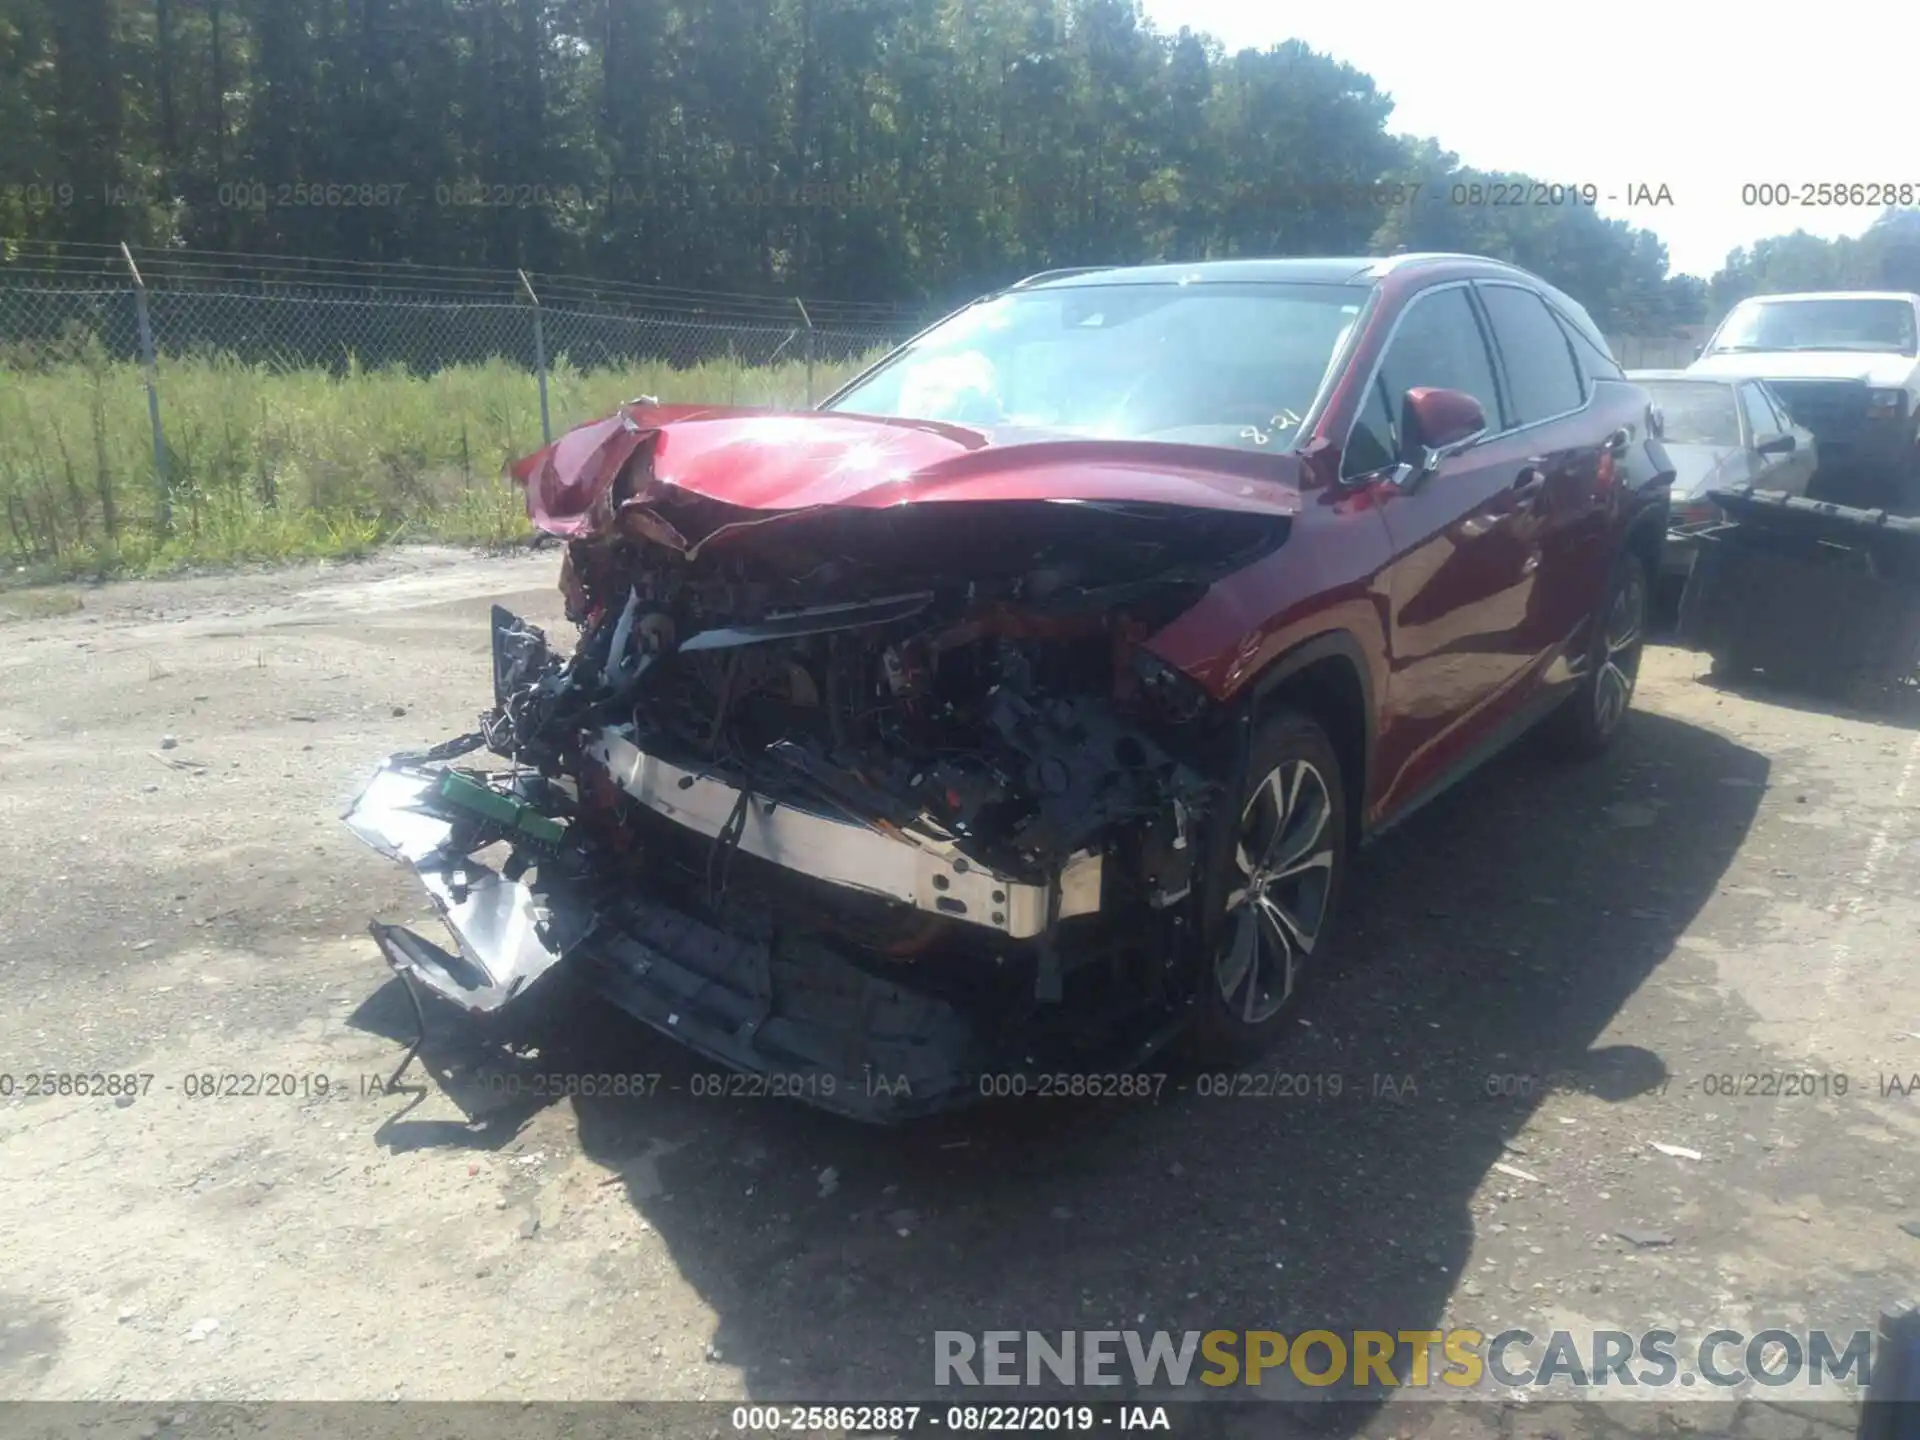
x=1235 y=365
x=1695 y=413
x=1864 y=324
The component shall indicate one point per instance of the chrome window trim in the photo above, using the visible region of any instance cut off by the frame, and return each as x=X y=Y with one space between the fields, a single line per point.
x=1386 y=346
x=1494 y=354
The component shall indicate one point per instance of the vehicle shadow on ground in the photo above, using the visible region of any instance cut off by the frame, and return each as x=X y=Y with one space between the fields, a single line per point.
x=1488 y=944
x=1875 y=703
x=489 y=1067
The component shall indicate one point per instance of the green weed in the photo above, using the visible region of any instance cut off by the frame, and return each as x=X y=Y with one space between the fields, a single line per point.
x=274 y=464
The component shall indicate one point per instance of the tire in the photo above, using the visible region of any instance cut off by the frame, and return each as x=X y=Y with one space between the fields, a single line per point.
x=1586 y=725
x=1261 y=939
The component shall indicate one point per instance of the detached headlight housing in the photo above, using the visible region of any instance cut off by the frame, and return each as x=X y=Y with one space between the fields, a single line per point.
x=1886 y=404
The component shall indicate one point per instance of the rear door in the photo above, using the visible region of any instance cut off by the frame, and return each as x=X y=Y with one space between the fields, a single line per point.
x=1560 y=507
x=1458 y=585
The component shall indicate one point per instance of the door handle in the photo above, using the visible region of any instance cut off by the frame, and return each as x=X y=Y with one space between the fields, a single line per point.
x=1529 y=489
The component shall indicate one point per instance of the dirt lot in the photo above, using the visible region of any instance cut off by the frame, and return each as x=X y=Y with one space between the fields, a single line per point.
x=1551 y=967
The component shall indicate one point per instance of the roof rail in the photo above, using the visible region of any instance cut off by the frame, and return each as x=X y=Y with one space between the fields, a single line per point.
x=1434 y=257
x=1038 y=276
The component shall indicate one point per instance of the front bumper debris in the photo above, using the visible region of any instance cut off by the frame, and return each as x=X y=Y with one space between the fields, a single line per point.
x=811 y=1024
x=508 y=932
x=932 y=887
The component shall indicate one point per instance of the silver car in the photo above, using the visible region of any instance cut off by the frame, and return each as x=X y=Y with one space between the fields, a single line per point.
x=1722 y=433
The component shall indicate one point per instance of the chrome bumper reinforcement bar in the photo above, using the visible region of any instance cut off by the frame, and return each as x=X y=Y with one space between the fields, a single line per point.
x=923 y=870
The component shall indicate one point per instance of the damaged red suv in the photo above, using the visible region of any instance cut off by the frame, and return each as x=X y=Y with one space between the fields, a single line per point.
x=1018 y=709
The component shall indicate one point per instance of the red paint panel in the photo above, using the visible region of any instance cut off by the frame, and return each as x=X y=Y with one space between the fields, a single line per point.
x=790 y=461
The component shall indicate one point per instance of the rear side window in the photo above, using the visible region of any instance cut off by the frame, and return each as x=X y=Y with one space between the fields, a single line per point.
x=1540 y=367
x=1697 y=412
x=1594 y=361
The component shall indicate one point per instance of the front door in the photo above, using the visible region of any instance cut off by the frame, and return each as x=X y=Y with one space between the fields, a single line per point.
x=1457 y=588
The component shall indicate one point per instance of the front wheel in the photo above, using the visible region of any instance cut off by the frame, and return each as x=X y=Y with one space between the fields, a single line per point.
x=1273 y=897
x=1587 y=724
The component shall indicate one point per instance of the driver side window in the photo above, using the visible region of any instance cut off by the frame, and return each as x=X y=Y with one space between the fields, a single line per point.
x=1438 y=344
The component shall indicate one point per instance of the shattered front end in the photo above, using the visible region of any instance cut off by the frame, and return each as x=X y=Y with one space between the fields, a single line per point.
x=878 y=801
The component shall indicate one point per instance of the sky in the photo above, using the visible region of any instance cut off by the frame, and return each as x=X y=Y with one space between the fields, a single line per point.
x=1699 y=96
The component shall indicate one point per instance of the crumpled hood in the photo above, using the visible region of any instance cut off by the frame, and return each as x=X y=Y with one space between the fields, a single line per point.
x=1699 y=468
x=1888 y=372
x=793 y=461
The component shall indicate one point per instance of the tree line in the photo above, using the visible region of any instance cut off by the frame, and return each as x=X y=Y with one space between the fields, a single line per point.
x=900 y=150
x=1886 y=257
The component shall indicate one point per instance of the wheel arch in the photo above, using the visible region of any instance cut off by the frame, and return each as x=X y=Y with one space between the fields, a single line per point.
x=1327 y=677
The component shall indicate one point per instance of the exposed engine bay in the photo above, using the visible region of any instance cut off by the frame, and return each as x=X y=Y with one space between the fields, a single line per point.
x=841 y=791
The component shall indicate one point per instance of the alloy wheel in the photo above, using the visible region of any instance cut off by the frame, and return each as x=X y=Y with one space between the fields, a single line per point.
x=1284 y=861
x=1620 y=654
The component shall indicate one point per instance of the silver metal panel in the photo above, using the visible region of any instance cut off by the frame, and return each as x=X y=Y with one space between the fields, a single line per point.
x=924 y=871
x=496 y=922
x=385 y=815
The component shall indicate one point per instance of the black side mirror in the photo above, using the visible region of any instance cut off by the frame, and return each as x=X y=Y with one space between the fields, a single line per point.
x=1781 y=444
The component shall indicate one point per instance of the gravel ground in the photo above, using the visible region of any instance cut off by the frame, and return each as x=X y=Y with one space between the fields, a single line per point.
x=1545 y=974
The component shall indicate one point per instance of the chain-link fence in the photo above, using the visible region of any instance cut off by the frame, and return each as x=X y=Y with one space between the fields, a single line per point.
x=433 y=370
x=212 y=405
x=1659 y=352
x=333 y=315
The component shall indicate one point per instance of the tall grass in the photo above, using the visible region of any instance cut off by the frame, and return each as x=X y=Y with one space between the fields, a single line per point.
x=268 y=464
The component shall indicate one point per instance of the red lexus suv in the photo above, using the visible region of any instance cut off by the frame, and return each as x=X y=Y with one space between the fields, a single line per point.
x=1015 y=712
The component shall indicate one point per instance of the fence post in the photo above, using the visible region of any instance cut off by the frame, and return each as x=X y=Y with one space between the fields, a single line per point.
x=539 y=360
x=165 y=490
x=807 y=320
